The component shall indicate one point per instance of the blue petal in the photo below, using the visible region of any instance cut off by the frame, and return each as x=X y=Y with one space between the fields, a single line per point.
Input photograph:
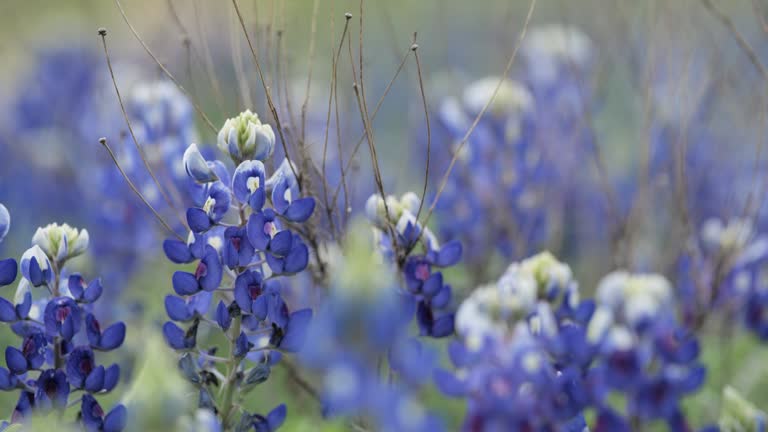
x=95 y=380
x=223 y=318
x=276 y=417
x=8 y=271
x=449 y=254
x=257 y=199
x=93 y=292
x=75 y=284
x=15 y=361
x=113 y=336
x=280 y=244
x=448 y=384
x=442 y=326
x=297 y=260
x=242 y=345
x=111 y=377
x=300 y=210
x=176 y=308
x=174 y=335
x=23 y=308
x=259 y=308
x=7 y=311
x=433 y=284
x=442 y=299
x=116 y=420
x=296 y=331
x=177 y=251
x=185 y=283
x=198 y=220
x=7 y=381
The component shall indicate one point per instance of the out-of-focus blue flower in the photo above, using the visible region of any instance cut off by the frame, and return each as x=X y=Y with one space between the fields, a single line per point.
x=416 y=253
x=363 y=320
x=511 y=363
x=642 y=351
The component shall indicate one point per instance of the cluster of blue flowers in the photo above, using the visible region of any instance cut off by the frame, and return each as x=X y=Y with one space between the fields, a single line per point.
x=67 y=92
x=417 y=256
x=55 y=366
x=371 y=368
x=243 y=241
x=533 y=356
x=520 y=173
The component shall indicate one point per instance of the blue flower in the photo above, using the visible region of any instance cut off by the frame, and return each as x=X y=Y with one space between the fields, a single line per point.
x=35 y=267
x=11 y=313
x=287 y=253
x=237 y=249
x=94 y=420
x=271 y=422
x=249 y=184
x=291 y=337
x=81 y=363
x=107 y=340
x=189 y=308
x=286 y=198
x=177 y=251
x=207 y=275
x=248 y=288
x=262 y=227
x=82 y=292
x=62 y=317
x=52 y=389
x=180 y=339
x=215 y=205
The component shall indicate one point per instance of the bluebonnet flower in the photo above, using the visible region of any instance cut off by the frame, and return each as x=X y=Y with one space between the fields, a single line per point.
x=494 y=200
x=641 y=349
x=423 y=286
x=244 y=235
x=56 y=356
x=512 y=364
x=362 y=321
x=58 y=103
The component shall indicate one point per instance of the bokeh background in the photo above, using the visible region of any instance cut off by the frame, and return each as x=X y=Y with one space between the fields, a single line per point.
x=652 y=60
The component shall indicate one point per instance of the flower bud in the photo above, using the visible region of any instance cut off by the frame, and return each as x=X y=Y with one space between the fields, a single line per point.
x=61 y=242
x=245 y=137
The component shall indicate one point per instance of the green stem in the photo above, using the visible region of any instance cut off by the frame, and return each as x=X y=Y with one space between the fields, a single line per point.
x=229 y=385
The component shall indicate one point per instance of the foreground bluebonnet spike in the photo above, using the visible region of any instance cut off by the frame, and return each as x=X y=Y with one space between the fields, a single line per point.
x=241 y=262
x=52 y=365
